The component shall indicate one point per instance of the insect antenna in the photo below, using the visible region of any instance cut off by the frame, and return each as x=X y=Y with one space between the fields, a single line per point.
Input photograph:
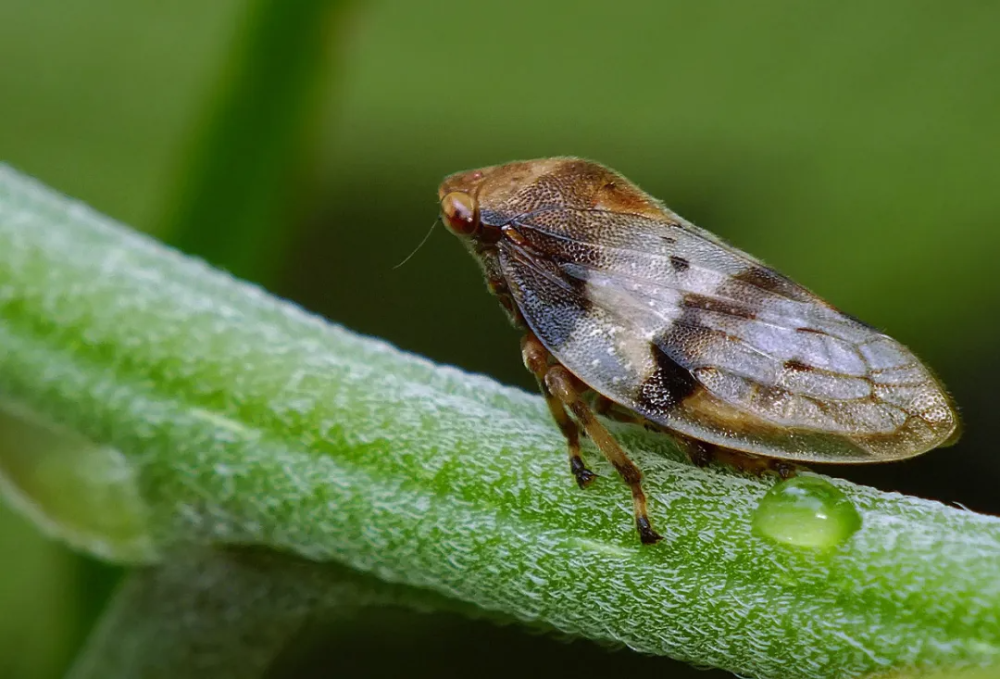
x=420 y=245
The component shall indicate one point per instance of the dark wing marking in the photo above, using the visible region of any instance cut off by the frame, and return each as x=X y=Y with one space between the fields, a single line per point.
x=719 y=347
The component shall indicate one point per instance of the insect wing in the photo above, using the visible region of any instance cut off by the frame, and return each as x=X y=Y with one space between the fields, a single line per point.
x=666 y=320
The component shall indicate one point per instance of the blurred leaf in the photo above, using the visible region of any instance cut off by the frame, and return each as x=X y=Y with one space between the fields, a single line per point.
x=97 y=93
x=84 y=492
x=249 y=422
x=238 y=195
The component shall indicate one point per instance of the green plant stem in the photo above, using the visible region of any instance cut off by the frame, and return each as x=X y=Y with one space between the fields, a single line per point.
x=243 y=420
x=214 y=614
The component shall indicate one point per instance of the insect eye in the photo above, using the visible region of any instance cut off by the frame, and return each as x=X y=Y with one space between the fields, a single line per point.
x=459 y=211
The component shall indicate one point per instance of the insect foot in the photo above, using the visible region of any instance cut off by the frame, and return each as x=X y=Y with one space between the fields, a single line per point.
x=584 y=477
x=537 y=360
x=559 y=382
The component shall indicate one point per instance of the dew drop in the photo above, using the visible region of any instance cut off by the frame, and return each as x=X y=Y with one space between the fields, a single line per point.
x=806 y=511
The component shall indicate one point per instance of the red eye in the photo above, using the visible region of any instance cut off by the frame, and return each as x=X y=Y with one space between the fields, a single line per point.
x=459 y=211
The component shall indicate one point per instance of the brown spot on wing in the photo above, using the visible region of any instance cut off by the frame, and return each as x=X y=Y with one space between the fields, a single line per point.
x=770 y=281
x=679 y=264
x=773 y=282
x=797 y=365
x=668 y=386
x=702 y=406
x=722 y=306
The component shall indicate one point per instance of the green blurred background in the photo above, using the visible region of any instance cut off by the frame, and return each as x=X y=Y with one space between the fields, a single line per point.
x=855 y=146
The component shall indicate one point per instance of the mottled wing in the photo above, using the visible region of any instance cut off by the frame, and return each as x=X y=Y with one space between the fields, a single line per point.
x=666 y=320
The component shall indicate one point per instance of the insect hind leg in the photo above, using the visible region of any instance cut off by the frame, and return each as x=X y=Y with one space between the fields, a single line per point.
x=702 y=453
x=560 y=383
x=536 y=360
x=698 y=452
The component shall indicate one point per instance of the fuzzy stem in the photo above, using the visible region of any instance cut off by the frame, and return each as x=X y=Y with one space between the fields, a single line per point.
x=236 y=418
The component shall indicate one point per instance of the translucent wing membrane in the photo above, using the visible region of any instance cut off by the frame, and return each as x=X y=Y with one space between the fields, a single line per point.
x=666 y=320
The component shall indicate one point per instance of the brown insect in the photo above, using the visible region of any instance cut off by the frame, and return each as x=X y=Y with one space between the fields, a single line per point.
x=639 y=315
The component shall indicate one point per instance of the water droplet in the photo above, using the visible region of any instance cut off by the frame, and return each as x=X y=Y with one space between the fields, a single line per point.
x=806 y=511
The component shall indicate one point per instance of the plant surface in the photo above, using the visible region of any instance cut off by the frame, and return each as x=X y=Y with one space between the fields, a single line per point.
x=186 y=409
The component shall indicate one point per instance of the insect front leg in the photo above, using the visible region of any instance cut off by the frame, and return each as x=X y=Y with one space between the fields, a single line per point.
x=560 y=383
x=536 y=360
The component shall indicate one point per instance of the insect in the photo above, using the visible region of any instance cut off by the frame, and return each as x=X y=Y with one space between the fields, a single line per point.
x=632 y=312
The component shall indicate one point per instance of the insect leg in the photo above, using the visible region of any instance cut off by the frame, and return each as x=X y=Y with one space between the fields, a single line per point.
x=753 y=464
x=785 y=470
x=605 y=407
x=560 y=382
x=698 y=452
x=701 y=453
x=536 y=360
